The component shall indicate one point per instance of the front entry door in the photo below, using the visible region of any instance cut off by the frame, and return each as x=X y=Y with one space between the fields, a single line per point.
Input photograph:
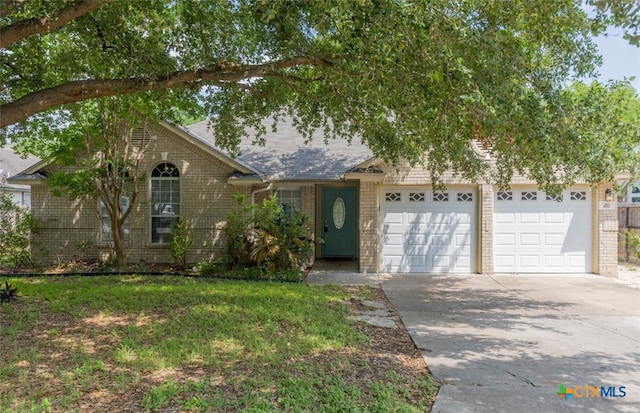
x=339 y=222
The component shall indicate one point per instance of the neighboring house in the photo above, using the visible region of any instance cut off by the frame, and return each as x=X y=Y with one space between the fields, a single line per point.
x=388 y=218
x=11 y=164
x=630 y=193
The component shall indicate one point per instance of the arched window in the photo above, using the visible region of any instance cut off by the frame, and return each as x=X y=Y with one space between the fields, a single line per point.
x=165 y=201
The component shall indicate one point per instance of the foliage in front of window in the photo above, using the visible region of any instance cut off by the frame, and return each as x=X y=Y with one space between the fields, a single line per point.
x=266 y=237
x=16 y=224
x=237 y=222
x=180 y=241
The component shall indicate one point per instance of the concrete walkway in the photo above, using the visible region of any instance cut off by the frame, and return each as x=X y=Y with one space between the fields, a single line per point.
x=506 y=343
x=340 y=273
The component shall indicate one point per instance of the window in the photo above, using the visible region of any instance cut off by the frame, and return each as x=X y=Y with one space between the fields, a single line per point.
x=578 y=195
x=392 y=197
x=416 y=196
x=165 y=201
x=289 y=200
x=505 y=196
x=441 y=197
x=465 y=197
x=106 y=236
x=529 y=196
x=635 y=193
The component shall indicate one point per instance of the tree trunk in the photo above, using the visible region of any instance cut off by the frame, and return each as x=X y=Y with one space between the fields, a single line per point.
x=117 y=233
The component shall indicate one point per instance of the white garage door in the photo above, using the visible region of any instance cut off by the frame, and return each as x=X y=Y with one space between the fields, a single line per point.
x=427 y=231
x=535 y=233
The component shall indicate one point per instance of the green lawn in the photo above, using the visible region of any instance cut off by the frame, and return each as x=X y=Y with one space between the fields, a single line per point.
x=143 y=343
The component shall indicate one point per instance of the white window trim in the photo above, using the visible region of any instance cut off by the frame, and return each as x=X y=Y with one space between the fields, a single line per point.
x=151 y=203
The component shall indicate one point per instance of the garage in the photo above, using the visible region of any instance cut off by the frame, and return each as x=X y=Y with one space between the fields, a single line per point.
x=538 y=233
x=427 y=231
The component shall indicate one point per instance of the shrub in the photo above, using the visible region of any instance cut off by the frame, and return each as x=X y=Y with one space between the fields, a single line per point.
x=267 y=237
x=180 y=241
x=211 y=267
x=7 y=292
x=16 y=225
x=633 y=243
x=237 y=223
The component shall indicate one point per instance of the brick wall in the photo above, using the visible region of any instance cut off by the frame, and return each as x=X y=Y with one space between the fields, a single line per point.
x=485 y=238
x=205 y=198
x=369 y=227
x=308 y=208
x=606 y=234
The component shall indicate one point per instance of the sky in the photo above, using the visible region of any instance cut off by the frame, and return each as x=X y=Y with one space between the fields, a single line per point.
x=620 y=59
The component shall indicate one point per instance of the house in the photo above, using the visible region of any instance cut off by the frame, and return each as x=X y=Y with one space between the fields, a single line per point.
x=388 y=218
x=11 y=164
x=629 y=193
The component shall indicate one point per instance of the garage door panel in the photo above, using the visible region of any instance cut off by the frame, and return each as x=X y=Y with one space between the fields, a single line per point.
x=554 y=239
x=441 y=240
x=392 y=229
x=530 y=261
x=577 y=260
x=414 y=228
x=415 y=250
x=529 y=218
x=392 y=261
x=554 y=218
x=463 y=219
x=542 y=235
x=506 y=218
x=554 y=261
x=416 y=239
x=463 y=261
x=529 y=239
x=505 y=239
x=463 y=240
x=440 y=220
x=505 y=261
x=393 y=218
x=416 y=218
x=440 y=262
x=416 y=261
x=394 y=240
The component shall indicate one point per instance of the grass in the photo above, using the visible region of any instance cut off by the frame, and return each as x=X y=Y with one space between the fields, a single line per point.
x=152 y=343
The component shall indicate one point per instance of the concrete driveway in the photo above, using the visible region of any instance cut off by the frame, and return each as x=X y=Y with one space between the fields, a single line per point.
x=506 y=343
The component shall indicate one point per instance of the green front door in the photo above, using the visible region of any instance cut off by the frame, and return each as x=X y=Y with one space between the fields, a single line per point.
x=339 y=222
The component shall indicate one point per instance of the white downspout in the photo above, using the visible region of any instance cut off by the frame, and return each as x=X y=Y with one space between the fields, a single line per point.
x=253 y=193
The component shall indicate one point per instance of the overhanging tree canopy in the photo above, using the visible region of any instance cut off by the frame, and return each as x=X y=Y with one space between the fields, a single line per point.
x=415 y=80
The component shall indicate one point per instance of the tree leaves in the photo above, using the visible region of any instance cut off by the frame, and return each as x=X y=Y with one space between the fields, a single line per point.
x=412 y=80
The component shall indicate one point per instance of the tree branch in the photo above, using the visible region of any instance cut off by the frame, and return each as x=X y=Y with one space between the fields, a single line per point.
x=80 y=90
x=25 y=28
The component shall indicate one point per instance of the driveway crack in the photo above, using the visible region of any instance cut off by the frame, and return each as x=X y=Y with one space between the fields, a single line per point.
x=516 y=376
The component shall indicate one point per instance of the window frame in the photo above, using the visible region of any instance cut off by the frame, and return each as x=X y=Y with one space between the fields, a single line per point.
x=173 y=176
x=634 y=192
x=290 y=190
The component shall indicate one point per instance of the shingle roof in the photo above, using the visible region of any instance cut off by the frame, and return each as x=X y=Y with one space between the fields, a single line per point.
x=285 y=156
x=12 y=164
